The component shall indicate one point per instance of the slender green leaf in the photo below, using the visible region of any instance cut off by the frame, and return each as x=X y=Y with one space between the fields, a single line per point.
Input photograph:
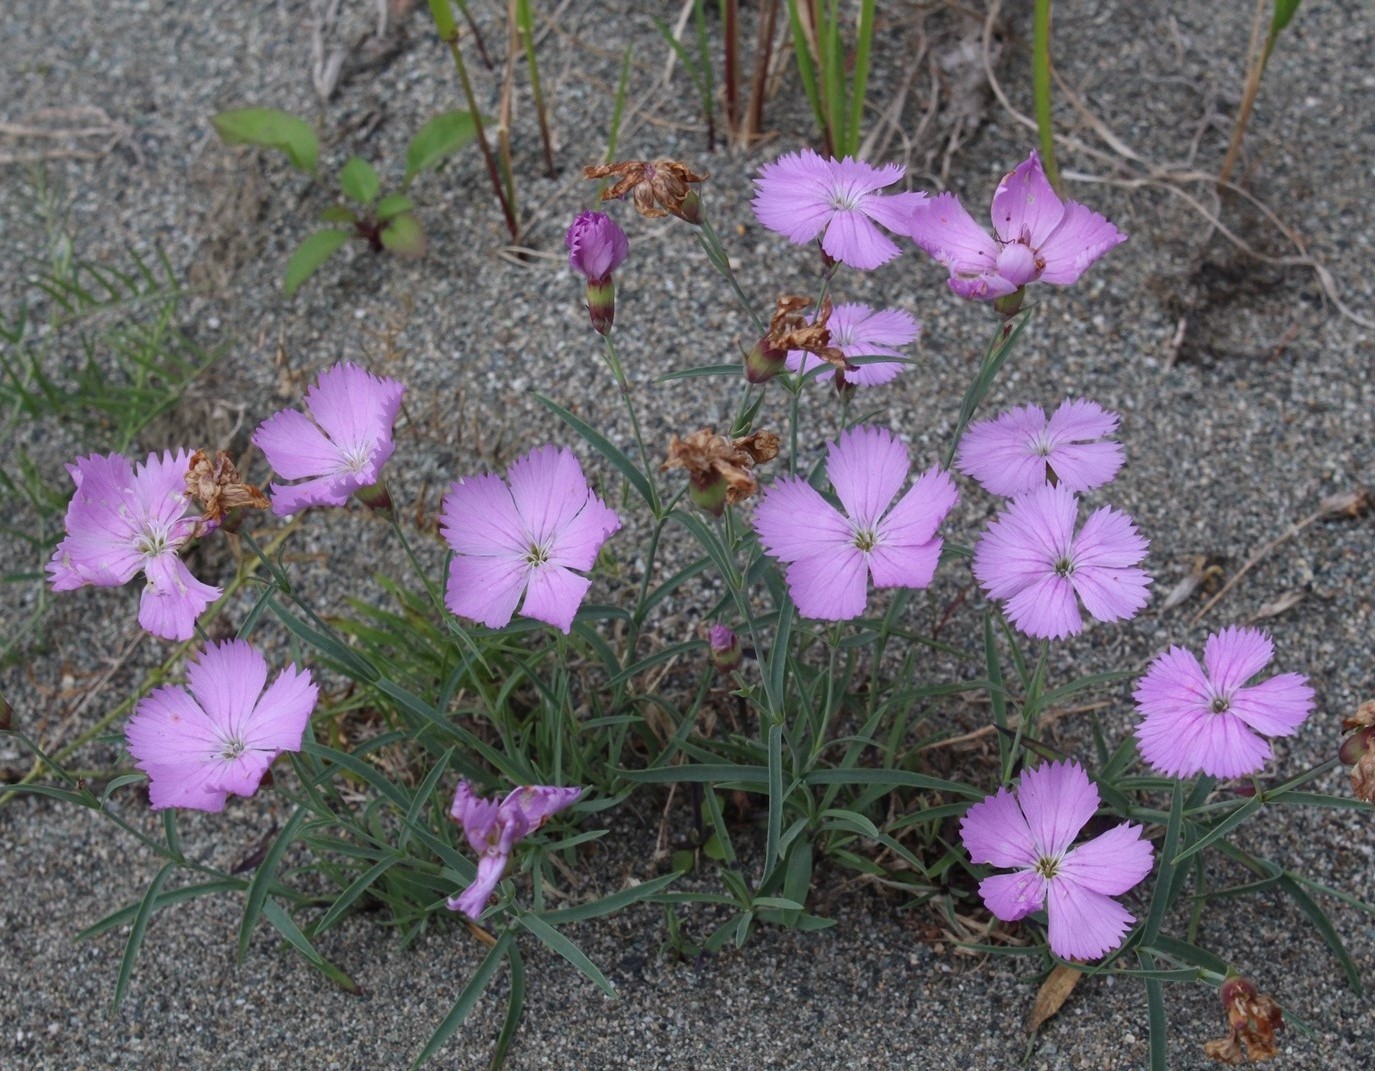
x=1222 y=828
x=1155 y=1014
x=557 y=942
x=136 y=934
x=1318 y=917
x=607 y=905
x=515 y=1008
x=605 y=447
x=286 y=926
x=175 y=896
x=346 y=899
x=1162 y=896
x=261 y=885
x=467 y=997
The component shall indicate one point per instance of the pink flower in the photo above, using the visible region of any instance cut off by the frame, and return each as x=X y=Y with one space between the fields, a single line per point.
x=1021 y=450
x=1209 y=720
x=596 y=246
x=493 y=829
x=1031 y=559
x=340 y=447
x=124 y=520
x=803 y=196
x=830 y=553
x=199 y=746
x=1038 y=237
x=525 y=539
x=860 y=331
x=1030 y=832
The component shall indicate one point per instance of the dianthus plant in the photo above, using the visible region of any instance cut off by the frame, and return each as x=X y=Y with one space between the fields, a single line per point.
x=856 y=594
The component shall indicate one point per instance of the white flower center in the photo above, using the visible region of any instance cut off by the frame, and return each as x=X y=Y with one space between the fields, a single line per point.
x=355 y=458
x=155 y=540
x=232 y=749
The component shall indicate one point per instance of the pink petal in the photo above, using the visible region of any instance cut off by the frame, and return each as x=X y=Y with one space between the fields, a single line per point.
x=1058 y=799
x=1081 y=238
x=227 y=681
x=279 y=718
x=169 y=729
x=995 y=831
x=831 y=586
x=1112 y=594
x=240 y=776
x=943 y=228
x=530 y=806
x=1108 y=539
x=1174 y=684
x=187 y=787
x=1110 y=863
x=548 y=488
x=866 y=467
x=793 y=521
x=553 y=596
x=1083 y=924
x=479 y=517
x=486 y=589
x=1078 y=420
x=892 y=211
x=472 y=901
x=905 y=567
x=172 y=599
x=1276 y=707
x=913 y=521
x=1013 y=896
x=1226 y=747
x=1047 y=609
x=476 y=815
x=353 y=406
x=1084 y=466
x=793 y=196
x=325 y=491
x=582 y=536
x=987 y=287
x=852 y=239
x=295 y=447
x=1025 y=205
x=1235 y=655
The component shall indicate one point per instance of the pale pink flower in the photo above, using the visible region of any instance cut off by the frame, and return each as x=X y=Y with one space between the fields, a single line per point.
x=493 y=829
x=804 y=196
x=340 y=447
x=526 y=539
x=218 y=738
x=1030 y=832
x=123 y=521
x=1207 y=718
x=861 y=331
x=830 y=553
x=1021 y=450
x=1037 y=237
x=1032 y=560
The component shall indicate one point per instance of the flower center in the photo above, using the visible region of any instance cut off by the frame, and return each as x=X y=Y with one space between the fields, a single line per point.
x=355 y=458
x=1047 y=866
x=536 y=555
x=866 y=540
x=155 y=539
x=232 y=749
x=1041 y=445
x=1064 y=567
x=1220 y=704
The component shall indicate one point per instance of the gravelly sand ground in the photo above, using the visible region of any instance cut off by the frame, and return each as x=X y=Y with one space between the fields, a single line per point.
x=1245 y=395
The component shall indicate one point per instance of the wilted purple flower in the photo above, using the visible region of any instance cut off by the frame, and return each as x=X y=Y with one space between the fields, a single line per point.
x=124 y=520
x=803 y=196
x=1030 y=832
x=596 y=246
x=1208 y=719
x=340 y=448
x=218 y=738
x=525 y=539
x=493 y=829
x=1038 y=237
x=1031 y=559
x=861 y=331
x=1021 y=450
x=830 y=553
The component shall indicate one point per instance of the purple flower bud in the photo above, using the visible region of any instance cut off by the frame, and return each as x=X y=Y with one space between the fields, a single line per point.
x=726 y=652
x=596 y=246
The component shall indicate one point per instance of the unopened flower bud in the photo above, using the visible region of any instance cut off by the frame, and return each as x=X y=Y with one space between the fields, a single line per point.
x=724 y=645
x=596 y=247
x=1010 y=304
x=376 y=497
x=764 y=361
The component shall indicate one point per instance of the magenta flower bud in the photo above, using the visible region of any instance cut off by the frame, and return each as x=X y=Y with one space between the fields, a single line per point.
x=726 y=652
x=596 y=248
x=764 y=361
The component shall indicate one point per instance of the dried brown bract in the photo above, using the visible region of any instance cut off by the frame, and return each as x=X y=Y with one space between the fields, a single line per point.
x=1252 y=1019
x=219 y=488
x=790 y=330
x=658 y=188
x=719 y=468
x=1358 y=750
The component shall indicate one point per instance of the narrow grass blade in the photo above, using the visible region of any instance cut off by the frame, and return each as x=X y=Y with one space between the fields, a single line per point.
x=466 y=999
x=261 y=884
x=146 y=907
x=286 y=926
x=515 y=1008
x=557 y=942
x=603 y=446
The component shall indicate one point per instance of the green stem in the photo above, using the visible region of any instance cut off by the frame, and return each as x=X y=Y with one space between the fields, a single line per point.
x=614 y=363
x=1040 y=87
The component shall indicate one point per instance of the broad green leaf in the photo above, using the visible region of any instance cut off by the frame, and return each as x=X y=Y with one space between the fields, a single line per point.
x=442 y=136
x=271 y=128
x=403 y=236
x=393 y=205
x=339 y=214
x=359 y=181
x=310 y=254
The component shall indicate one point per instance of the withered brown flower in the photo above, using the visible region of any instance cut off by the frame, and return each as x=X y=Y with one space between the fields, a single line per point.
x=719 y=468
x=790 y=330
x=219 y=488
x=1252 y=1019
x=657 y=188
x=1358 y=750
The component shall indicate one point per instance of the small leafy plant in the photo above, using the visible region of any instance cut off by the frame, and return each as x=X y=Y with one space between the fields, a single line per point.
x=382 y=221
